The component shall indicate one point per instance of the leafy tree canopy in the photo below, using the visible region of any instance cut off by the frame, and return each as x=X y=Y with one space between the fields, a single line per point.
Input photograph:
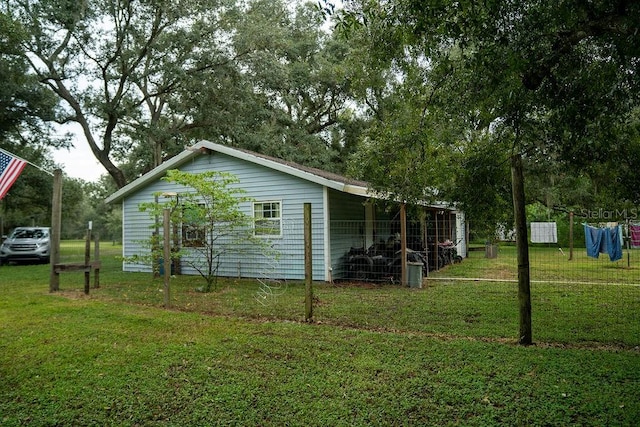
x=24 y=104
x=557 y=82
x=145 y=78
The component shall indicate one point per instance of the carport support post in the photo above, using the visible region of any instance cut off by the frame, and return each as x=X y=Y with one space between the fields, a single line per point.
x=308 y=265
x=166 y=237
x=56 y=221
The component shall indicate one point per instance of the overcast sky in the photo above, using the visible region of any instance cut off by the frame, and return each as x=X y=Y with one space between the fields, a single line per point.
x=79 y=161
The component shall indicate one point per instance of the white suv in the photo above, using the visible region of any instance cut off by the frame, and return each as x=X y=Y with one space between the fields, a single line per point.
x=26 y=244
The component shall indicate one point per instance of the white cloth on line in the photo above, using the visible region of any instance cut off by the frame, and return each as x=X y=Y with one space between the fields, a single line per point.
x=544 y=232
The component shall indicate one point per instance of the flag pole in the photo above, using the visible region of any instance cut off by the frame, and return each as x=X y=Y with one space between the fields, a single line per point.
x=26 y=161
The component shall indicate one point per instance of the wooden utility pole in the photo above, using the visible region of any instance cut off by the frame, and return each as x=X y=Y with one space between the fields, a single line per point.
x=524 y=282
x=308 y=265
x=56 y=222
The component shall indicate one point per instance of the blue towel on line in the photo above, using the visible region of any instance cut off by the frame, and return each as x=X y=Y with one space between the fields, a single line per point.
x=603 y=240
x=614 y=242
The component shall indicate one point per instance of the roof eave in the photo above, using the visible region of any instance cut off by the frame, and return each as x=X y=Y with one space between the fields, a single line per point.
x=280 y=167
x=357 y=190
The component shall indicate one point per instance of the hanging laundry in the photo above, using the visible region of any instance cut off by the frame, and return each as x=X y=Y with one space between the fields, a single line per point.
x=621 y=234
x=594 y=239
x=604 y=240
x=613 y=235
x=544 y=232
x=635 y=235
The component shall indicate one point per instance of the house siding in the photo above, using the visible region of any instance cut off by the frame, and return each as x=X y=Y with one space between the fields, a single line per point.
x=138 y=226
x=261 y=184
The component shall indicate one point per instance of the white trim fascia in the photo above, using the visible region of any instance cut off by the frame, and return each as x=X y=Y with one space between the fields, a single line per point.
x=204 y=146
x=152 y=175
x=198 y=148
x=357 y=190
x=280 y=167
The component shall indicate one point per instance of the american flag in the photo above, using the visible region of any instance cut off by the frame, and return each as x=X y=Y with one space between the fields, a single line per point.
x=10 y=168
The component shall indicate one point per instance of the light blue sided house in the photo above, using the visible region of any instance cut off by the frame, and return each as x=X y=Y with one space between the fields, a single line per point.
x=344 y=214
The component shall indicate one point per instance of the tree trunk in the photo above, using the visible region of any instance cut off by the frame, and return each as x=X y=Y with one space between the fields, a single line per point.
x=102 y=155
x=524 y=282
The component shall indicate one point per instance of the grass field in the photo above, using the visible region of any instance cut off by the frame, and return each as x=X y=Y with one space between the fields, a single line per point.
x=375 y=355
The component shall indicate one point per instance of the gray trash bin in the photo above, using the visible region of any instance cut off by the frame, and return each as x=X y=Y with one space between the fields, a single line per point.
x=491 y=251
x=414 y=274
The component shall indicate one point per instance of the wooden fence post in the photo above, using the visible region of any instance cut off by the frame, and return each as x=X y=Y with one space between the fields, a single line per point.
x=56 y=221
x=308 y=264
x=87 y=260
x=524 y=282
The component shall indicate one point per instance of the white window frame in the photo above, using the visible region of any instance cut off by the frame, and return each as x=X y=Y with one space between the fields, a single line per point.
x=191 y=236
x=262 y=203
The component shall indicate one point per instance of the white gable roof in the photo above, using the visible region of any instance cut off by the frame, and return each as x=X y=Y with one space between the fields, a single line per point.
x=327 y=179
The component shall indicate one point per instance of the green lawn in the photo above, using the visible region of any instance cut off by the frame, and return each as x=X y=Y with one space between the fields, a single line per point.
x=375 y=355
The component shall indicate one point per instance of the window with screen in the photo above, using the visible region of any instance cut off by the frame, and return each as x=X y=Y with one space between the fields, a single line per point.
x=267 y=219
x=193 y=231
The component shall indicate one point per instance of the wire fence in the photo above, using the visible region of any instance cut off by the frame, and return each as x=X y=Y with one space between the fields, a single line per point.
x=546 y=264
x=575 y=295
x=468 y=288
x=581 y=289
x=559 y=252
x=447 y=249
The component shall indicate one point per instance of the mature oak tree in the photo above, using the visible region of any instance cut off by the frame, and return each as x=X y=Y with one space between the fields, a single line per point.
x=549 y=79
x=143 y=78
x=115 y=65
x=25 y=108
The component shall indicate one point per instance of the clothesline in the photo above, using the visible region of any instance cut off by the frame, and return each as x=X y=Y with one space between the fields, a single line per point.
x=631 y=227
